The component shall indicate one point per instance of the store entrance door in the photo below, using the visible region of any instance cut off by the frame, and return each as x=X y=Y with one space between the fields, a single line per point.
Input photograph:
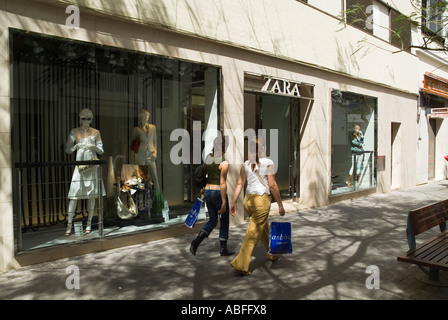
x=279 y=116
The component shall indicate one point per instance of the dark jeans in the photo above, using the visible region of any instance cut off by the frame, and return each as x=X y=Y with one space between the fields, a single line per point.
x=213 y=202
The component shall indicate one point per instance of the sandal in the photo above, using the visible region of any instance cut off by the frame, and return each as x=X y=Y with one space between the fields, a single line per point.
x=241 y=272
x=68 y=231
x=272 y=257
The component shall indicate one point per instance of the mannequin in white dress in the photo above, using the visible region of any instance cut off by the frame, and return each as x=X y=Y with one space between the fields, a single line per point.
x=147 y=151
x=86 y=141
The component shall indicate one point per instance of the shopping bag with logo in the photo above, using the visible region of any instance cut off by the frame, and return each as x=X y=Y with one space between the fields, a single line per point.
x=192 y=217
x=280 y=238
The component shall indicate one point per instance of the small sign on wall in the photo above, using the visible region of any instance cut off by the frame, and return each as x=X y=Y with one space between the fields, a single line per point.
x=381 y=163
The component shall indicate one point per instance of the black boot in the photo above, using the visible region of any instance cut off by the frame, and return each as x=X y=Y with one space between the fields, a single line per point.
x=196 y=242
x=223 y=250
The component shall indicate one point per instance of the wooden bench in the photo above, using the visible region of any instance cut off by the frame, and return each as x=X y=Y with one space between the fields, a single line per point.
x=432 y=255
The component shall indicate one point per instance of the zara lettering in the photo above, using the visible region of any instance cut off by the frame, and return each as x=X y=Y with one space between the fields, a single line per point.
x=280 y=86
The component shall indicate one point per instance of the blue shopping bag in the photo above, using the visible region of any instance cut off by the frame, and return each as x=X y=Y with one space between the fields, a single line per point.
x=194 y=212
x=280 y=238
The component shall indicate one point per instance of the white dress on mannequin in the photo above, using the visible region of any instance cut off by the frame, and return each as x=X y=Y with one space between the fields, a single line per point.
x=85 y=185
x=87 y=143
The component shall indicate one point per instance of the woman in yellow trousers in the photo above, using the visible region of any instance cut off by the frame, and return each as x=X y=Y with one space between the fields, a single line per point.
x=259 y=172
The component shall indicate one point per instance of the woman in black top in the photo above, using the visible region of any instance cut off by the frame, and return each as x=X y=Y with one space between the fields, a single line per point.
x=215 y=194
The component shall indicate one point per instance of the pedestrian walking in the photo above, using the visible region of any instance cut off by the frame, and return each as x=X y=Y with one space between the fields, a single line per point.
x=216 y=200
x=259 y=172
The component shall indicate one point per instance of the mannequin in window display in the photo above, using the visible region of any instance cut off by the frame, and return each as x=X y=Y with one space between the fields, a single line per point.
x=86 y=141
x=356 y=148
x=146 y=154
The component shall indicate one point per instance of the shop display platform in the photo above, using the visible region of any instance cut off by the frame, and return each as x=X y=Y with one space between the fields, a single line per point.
x=54 y=236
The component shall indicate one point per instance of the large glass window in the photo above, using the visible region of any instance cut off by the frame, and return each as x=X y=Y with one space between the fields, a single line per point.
x=134 y=101
x=354 y=142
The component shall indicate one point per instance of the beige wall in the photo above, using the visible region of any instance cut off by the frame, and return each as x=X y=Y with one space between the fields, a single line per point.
x=284 y=28
x=243 y=36
x=6 y=221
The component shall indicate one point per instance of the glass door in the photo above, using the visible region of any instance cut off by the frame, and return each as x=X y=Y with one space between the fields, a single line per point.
x=275 y=118
x=279 y=116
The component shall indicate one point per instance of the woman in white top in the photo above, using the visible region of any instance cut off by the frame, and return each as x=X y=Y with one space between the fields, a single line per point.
x=257 y=202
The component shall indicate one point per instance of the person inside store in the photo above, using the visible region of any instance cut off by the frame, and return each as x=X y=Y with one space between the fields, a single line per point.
x=216 y=199
x=144 y=145
x=357 y=154
x=87 y=143
x=259 y=173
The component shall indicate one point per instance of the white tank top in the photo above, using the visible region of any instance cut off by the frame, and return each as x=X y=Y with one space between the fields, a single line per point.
x=254 y=185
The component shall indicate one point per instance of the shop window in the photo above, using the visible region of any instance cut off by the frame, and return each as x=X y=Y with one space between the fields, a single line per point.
x=380 y=20
x=401 y=29
x=53 y=80
x=357 y=15
x=433 y=17
x=354 y=142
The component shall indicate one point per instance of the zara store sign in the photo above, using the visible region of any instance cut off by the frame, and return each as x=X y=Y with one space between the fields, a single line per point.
x=281 y=86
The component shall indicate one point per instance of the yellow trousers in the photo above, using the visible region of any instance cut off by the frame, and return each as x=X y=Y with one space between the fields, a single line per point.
x=257 y=208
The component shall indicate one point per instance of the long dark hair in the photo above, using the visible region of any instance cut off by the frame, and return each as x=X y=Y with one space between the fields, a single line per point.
x=224 y=144
x=256 y=145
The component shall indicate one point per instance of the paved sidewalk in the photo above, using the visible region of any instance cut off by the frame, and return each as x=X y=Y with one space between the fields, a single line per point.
x=332 y=246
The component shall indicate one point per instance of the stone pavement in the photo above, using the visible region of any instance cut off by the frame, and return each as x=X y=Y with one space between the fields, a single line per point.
x=332 y=247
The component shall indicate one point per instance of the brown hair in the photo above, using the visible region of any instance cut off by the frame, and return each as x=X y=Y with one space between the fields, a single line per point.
x=256 y=145
x=224 y=143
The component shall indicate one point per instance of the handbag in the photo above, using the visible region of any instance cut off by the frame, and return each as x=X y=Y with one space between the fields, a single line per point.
x=200 y=176
x=122 y=211
x=87 y=167
x=126 y=213
x=446 y=158
x=280 y=238
x=192 y=217
x=265 y=185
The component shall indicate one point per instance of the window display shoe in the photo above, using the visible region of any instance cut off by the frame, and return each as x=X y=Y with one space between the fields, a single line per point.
x=88 y=230
x=68 y=232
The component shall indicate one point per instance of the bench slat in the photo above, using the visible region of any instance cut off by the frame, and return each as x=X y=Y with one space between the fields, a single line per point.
x=444 y=260
x=438 y=255
x=432 y=253
x=438 y=250
x=429 y=246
